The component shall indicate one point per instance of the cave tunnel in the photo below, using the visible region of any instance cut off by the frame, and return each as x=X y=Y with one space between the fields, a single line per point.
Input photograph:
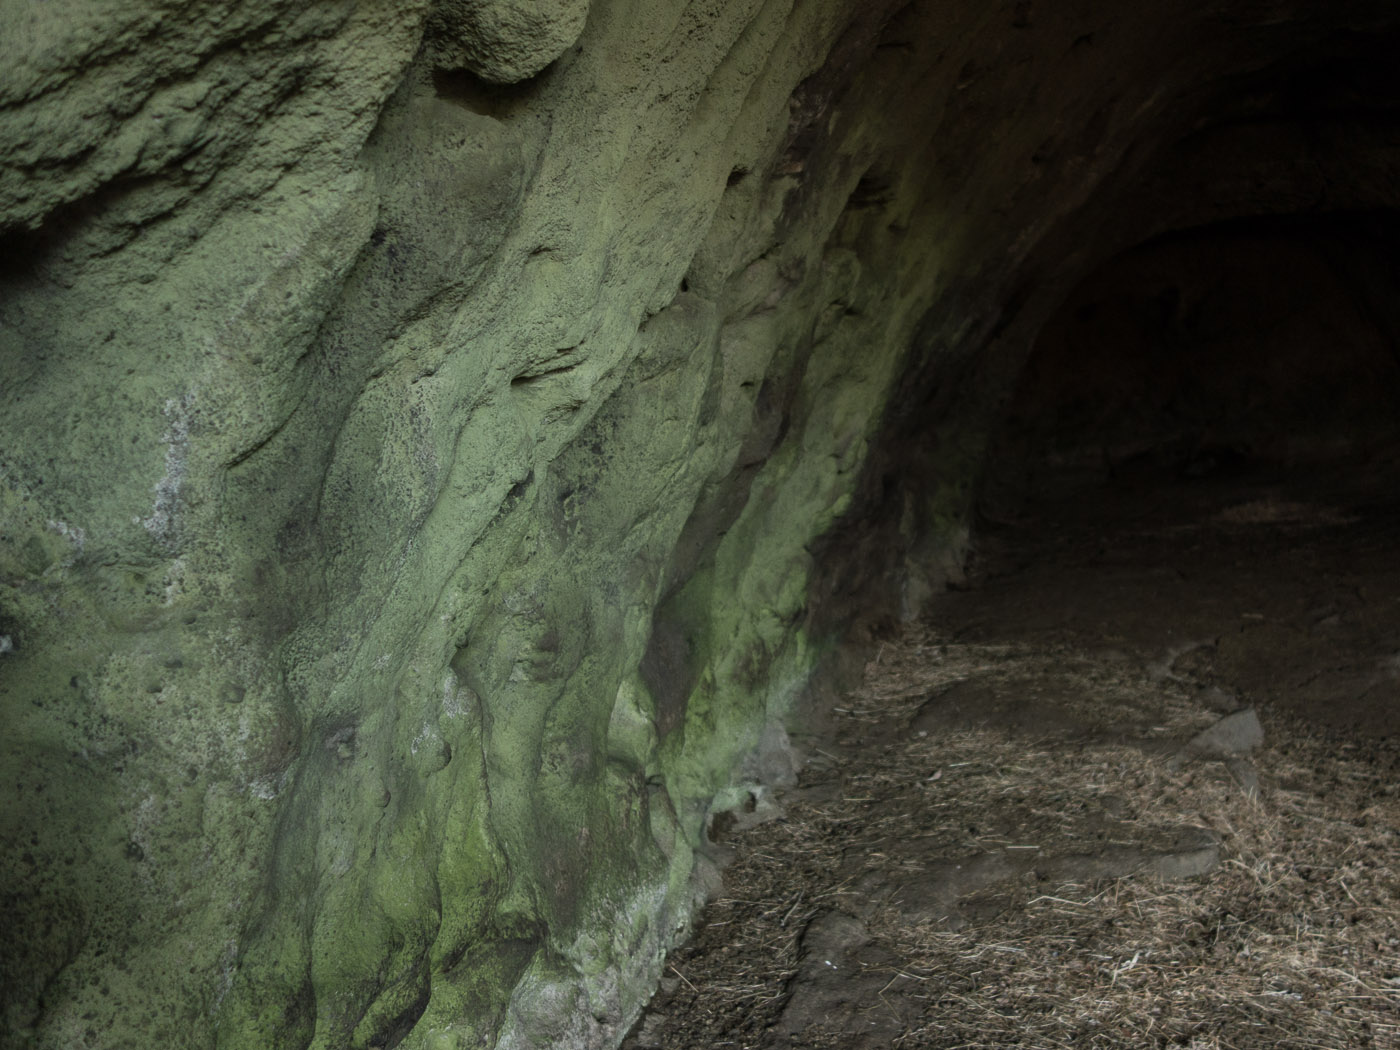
x=669 y=525
x=1234 y=361
x=1236 y=344
x=1215 y=407
x=1182 y=421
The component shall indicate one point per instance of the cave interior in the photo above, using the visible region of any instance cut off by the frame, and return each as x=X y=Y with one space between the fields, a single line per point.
x=1212 y=337
x=455 y=462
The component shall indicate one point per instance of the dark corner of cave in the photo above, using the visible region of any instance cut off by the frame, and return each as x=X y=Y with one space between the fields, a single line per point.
x=754 y=524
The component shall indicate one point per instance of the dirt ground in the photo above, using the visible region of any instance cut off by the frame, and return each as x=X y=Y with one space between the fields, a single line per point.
x=1135 y=786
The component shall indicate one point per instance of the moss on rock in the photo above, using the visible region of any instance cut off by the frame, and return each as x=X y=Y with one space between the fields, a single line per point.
x=420 y=430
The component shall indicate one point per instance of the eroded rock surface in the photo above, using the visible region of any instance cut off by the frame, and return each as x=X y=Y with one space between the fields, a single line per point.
x=504 y=41
x=440 y=442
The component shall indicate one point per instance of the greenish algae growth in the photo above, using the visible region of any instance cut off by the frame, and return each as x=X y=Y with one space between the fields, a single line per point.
x=408 y=487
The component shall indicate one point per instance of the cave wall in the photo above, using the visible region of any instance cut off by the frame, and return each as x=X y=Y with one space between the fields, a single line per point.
x=441 y=442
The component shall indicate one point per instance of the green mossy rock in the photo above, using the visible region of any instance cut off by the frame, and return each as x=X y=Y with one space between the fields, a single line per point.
x=420 y=429
x=353 y=422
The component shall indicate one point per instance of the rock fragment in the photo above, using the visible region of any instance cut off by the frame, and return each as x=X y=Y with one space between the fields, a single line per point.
x=1235 y=734
x=505 y=41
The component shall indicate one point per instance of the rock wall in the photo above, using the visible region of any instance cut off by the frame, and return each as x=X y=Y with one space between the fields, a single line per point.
x=440 y=443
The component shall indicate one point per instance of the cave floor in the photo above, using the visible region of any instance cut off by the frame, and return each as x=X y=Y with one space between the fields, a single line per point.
x=1047 y=819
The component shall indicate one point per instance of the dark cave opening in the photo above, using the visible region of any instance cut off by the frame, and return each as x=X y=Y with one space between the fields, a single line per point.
x=1198 y=464
x=1228 y=303
x=1261 y=345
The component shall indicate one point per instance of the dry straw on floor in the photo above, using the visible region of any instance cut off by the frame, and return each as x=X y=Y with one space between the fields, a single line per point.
x=1292 y=942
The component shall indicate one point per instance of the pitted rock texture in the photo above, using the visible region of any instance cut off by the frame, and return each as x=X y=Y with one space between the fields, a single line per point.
x=505 y=41
x=439 y=444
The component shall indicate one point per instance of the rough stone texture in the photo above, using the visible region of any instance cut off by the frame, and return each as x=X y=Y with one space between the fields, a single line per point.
x=838 y=977
x=1235 y=734
x=504 y=41
x=412 y=487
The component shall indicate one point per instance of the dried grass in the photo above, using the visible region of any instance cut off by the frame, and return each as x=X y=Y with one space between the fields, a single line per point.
x=1276 y=511
x=1292 y=942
